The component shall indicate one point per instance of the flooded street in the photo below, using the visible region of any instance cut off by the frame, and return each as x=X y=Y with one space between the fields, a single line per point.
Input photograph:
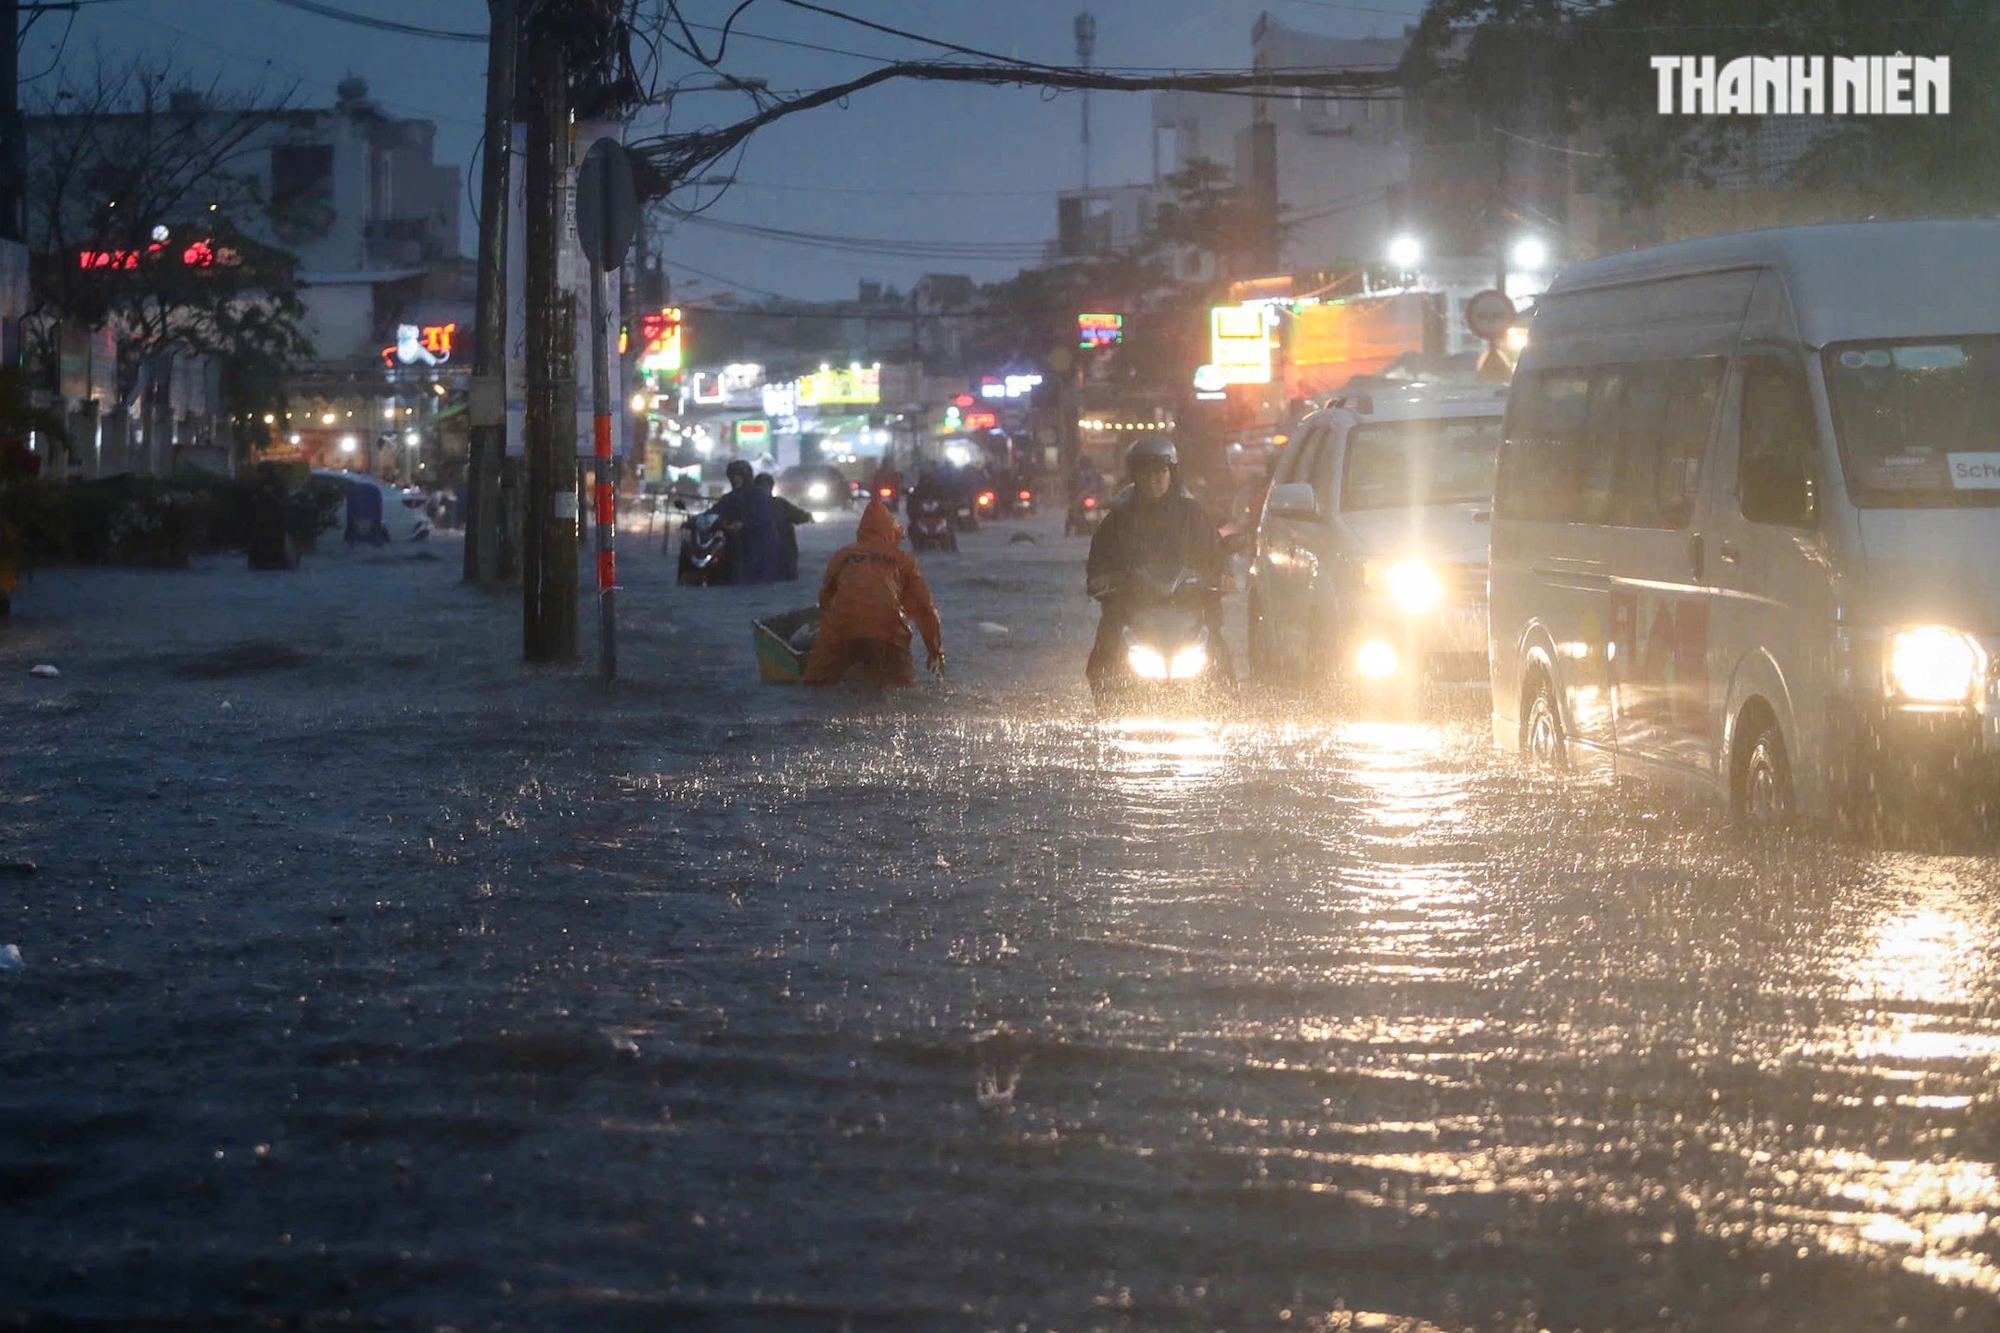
x=369 y=980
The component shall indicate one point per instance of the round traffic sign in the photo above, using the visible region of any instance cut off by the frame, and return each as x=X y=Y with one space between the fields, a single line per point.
x=1489 y=314
x=607 y=204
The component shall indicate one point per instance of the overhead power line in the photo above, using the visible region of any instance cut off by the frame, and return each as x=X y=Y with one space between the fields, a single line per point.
x=877 y=245
x=383 y=25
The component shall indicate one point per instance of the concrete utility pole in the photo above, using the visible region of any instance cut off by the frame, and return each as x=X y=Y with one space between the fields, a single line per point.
x=489 y=364
x=548 y=556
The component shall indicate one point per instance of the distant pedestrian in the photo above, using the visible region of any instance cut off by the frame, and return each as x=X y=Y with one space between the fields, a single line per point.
x=871 y=593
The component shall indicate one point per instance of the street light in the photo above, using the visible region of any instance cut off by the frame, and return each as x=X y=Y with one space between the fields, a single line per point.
x=1530 y=254
x=1405 y=251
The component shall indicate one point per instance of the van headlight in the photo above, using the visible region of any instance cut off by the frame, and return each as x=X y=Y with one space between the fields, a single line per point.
x=1146 y=663
x=1411 y=586
x=816 y=491
x=1935 y=665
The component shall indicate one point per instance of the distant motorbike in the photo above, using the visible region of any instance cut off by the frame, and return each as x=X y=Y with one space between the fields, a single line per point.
x=1022 y=503
x=888 y=496
x=704 y=549
x=931 y=525
x=986 y=506
x=1167 y=645
x=1086 y=511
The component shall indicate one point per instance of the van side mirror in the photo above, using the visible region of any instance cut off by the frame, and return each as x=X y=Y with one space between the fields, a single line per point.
x=1294 y=499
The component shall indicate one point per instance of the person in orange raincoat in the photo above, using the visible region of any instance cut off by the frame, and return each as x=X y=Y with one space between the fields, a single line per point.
x=872 y=590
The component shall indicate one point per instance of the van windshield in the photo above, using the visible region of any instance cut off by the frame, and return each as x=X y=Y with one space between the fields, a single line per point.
x=1918 y=421
x=1401 y=464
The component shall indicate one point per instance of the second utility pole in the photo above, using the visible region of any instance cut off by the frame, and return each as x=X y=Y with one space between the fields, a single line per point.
x=489 y=367
x=548 y=555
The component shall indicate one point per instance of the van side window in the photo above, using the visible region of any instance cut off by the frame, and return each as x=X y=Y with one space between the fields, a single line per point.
x=1641 y=419
x=1775 y=481
x=1541 y=459
x=1599 y=460
x=1694 y=391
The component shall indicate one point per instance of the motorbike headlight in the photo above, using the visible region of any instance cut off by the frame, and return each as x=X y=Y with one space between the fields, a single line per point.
x=1189 y=662
x=1412 y=586
x=1935 y=665
x=816 y=491
x=1146 y=663
x=1376 y=660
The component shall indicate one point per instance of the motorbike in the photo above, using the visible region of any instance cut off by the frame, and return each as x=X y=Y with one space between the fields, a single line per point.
x=1022 y=505
x=1085 y=513
x=986 y=506
x=931 y=525
x=1166 y=638
x=704 y=549
x=888 y=496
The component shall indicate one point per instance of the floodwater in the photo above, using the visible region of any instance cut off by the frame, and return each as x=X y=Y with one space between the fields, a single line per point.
x=370 y=981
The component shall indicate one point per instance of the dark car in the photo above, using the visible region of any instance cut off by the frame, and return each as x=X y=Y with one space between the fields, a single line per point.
x=818 y=487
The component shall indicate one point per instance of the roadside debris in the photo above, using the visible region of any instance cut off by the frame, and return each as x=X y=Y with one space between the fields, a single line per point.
x=45 y=671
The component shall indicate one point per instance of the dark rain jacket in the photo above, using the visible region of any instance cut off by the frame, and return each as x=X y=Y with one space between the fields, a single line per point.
x=756 y=551
x=871 y=591
x=1156 y=537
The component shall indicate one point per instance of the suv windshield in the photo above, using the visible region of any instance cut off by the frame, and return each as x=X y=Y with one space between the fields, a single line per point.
x=1918 y=421
x=1399 y=464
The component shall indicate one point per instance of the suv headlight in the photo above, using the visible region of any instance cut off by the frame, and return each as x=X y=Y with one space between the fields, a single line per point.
x=1935 y=665
x=1411 y=586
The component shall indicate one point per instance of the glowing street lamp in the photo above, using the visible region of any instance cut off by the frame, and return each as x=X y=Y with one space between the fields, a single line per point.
x=1531 y=254
x=1405 y=251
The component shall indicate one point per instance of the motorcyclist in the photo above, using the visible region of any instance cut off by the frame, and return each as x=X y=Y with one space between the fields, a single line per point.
x=1154 y=528
x=929 y=487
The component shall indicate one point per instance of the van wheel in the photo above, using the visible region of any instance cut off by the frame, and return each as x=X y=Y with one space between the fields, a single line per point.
x=1764 y=780
x=1542 y=739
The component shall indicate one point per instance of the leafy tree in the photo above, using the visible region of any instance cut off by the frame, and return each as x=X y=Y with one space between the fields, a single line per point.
x=145 y=215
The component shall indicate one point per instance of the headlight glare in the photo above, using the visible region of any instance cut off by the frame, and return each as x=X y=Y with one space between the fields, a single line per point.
x=1376 y=660
x=1146 y=663
x=1189 y=662
x=1411 y=586
x=1935 y=665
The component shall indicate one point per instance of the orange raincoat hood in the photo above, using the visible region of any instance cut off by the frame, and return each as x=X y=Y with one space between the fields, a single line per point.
x=878 y=527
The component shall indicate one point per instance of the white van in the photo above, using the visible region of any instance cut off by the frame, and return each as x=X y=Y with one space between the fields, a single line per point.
x=1747 y=522
x=1371 y=552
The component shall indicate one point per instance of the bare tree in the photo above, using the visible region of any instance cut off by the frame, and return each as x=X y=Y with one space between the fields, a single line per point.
x=145 y=214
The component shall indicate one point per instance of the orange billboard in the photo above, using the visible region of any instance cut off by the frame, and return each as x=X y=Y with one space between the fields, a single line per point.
x=1333 y=342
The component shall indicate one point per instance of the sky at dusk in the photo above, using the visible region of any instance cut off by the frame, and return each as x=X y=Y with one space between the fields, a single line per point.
x=915 y=162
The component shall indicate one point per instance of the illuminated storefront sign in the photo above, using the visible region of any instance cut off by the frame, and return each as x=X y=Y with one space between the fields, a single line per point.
x=706 y=387
x=855 y=384
x=1100 y=330
x=1011 y=386
x=1240 y=343
x=196 y=254
x=752 y=434
x=980 y=421
x=781 y=400
x=421 y=345
x=661 y=347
